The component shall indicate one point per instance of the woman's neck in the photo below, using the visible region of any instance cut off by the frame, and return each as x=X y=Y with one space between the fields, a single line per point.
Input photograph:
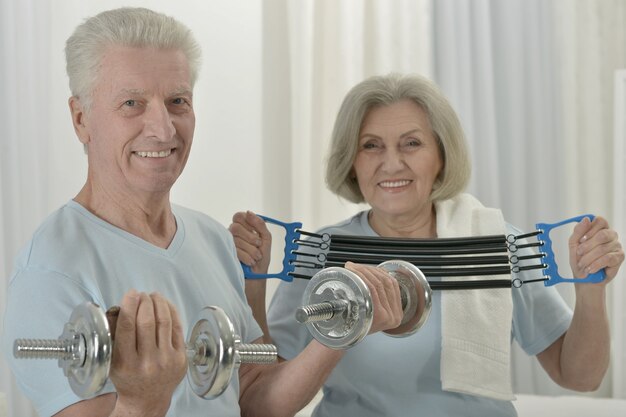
x=415 y=225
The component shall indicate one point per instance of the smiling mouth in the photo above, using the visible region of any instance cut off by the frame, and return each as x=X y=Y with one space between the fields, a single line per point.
x=394 y=184
x=160 y=154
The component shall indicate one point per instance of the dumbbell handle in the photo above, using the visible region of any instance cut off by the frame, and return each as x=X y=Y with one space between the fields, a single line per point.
x=321 y=311
x=43 y=349
x=247 y=353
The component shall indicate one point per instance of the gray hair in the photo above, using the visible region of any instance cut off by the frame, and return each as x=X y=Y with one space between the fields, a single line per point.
x=134 y=27
x=382 y=91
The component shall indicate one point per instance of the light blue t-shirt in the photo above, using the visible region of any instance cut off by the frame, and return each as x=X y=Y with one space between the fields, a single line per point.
x=75 y=256
x=387 y=376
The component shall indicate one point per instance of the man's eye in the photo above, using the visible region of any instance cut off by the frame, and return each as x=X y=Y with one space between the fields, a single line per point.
x=178 y=101
x=130 y=103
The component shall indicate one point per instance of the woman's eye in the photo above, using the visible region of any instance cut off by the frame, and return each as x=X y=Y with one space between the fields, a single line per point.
x=370 y=145
x=413 y=142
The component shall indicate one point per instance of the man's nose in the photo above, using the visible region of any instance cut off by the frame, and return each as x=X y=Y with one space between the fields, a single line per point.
x=158 y=122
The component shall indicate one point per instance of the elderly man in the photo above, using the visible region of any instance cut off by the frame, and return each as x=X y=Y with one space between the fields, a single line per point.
x=121 y=242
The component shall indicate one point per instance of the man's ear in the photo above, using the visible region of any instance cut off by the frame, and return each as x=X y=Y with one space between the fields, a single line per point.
x=79 y=119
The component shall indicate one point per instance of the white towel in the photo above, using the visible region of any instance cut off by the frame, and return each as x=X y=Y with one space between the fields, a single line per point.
x=476 y=324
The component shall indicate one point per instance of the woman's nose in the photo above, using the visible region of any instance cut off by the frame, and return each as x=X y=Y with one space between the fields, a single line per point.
x=393 y=160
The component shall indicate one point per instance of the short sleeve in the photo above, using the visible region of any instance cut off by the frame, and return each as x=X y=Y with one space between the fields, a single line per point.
x=540 y=315
x=289 y=336
x=39 y=303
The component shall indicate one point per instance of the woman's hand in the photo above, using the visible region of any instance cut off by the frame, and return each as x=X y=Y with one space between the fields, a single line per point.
x=593 y=245
x=254 y=244
x=385 y=293
x=252 y=240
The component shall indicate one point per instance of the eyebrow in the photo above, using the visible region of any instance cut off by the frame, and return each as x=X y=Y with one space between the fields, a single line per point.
x=403 y=135
x=130 y=92
x=181 y=91
x=141 y=92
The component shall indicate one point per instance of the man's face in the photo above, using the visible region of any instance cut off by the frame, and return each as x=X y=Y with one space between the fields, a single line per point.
x=140 y=125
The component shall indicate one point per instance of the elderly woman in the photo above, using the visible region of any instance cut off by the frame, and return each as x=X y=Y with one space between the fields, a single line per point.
x=398 y=146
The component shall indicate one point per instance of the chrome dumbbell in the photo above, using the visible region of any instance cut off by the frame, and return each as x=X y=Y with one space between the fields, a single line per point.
x=215 y=351
x=84 y=351
x=338 y=309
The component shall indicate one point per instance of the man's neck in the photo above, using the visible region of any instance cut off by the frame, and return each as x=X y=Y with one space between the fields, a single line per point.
x=150 y=219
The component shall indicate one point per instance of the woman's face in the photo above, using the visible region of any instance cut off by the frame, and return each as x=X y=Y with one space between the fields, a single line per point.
x=397 y=160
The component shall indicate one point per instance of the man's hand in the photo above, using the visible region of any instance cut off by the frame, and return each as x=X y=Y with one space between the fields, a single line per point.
x=149 y=359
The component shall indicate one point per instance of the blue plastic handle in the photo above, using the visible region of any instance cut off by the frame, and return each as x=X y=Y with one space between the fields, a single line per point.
x=291 y=237
x=552 y=270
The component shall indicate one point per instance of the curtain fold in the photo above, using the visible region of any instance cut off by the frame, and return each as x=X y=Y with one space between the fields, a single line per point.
x=618 y=305
x=24 y=31
x=590 y=36
x=464 y=70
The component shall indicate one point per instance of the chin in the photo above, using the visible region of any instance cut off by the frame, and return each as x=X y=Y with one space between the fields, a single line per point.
x=157 y=187
x=394 y=211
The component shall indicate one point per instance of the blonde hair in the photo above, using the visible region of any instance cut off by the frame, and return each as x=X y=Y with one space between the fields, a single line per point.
x=384 y=90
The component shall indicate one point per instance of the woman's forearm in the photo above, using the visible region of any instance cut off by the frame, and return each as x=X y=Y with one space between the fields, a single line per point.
x=286 y=388
x=585 y=351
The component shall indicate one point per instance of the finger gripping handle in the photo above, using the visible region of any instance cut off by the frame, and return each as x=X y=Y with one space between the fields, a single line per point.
x=292 y=234
x=552 y=270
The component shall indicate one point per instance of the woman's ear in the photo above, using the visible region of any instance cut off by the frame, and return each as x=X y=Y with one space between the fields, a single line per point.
x=79 y=116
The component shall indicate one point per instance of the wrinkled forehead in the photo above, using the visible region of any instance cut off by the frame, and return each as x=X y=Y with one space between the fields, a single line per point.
x=143 y=71
x=401 y=113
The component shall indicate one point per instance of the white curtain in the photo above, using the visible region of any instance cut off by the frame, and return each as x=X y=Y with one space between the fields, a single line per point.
x=618 y=309
x=25 y=119
x=532 y=81
x=591 y=38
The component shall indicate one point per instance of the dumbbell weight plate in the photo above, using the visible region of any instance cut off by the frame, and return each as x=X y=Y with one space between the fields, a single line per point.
x=349 y=327
x=418 y=295
x=213 y=335
x=88 y=322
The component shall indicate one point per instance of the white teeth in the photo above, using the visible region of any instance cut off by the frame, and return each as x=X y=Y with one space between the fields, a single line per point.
x=161 y=154
x=393 y=184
